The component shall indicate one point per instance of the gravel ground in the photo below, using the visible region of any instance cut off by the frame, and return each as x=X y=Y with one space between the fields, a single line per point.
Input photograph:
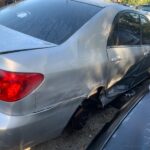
x=79 y=140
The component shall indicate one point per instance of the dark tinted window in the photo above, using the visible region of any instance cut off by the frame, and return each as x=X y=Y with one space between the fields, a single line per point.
x=113 y=38
x=126 y=31
x=50 y=20
x=145 y=30
x=129 y=31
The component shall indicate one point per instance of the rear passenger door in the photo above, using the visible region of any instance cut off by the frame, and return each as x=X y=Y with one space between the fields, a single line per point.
x=145 y=26
x=124 y=45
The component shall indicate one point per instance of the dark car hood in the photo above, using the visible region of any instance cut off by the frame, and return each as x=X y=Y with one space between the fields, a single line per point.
x=11 y=40
x=134 y=131
x=130 y=128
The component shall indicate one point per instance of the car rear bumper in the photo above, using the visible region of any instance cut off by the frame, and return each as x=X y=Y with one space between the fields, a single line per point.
x=18 y=132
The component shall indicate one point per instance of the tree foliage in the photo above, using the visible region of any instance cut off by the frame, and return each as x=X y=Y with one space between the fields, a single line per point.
x=136 y=2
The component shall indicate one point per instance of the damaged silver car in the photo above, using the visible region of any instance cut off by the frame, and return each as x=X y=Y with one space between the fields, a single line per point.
x=55 y=54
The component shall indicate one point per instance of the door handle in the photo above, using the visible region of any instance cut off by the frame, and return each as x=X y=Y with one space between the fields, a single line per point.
x=116 y=59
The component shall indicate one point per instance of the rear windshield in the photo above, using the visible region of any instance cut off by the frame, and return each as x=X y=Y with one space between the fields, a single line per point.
x=50 y=20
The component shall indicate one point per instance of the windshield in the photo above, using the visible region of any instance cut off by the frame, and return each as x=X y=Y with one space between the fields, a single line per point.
x=50 y=20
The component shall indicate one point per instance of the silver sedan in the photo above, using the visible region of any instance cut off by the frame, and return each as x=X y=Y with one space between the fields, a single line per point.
x=55 y=54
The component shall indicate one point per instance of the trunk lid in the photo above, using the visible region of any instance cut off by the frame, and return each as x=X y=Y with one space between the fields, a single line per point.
x=11 y=40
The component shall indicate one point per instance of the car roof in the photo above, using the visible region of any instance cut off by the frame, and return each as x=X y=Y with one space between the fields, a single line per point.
x=101 y=3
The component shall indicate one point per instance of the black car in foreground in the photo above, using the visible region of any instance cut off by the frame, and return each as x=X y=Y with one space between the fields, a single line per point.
x=130 y=129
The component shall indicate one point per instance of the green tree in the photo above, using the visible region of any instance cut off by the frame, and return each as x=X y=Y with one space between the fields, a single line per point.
x=136 y=2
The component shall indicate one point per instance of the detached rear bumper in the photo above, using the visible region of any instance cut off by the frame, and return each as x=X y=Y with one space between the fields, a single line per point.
x=17 y=132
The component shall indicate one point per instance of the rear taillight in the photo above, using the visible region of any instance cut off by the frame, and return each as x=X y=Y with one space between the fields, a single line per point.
x=15 y=86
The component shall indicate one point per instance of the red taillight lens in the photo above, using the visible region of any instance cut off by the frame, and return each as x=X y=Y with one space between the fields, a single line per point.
x=15 y=86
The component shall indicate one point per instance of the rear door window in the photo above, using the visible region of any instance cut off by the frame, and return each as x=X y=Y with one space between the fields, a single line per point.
x=127 y=30
x=145 y=30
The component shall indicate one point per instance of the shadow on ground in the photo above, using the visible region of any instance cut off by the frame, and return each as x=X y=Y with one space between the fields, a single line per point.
x=79 y=140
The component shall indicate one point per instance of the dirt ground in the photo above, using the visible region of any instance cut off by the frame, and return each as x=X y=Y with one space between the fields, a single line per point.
x=79 y=140
x=1 y=3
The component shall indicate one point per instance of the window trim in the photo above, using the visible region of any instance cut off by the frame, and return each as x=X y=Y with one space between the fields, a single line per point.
x=141 y=15
x=115 y=21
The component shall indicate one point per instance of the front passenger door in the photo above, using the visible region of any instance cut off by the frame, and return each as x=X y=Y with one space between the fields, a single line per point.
x=124 y=48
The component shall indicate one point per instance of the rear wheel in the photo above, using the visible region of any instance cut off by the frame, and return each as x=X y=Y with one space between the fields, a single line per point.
x=80 y=117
